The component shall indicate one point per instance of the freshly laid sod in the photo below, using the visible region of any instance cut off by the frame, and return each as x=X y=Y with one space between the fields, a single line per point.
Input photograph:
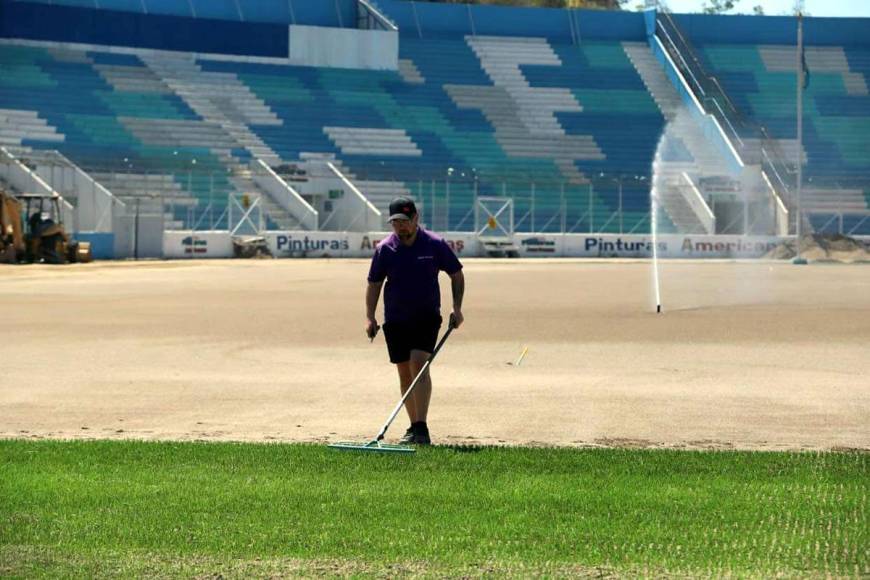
x=105 y=508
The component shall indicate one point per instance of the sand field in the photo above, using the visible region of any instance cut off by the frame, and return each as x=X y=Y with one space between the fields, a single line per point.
x=746 y=355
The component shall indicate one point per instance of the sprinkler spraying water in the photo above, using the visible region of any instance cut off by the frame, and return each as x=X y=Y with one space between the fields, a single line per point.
x=654 y=226
x=674 y=200
x=655 y=242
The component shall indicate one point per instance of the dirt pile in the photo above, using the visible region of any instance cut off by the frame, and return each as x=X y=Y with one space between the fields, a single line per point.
x=823 y=248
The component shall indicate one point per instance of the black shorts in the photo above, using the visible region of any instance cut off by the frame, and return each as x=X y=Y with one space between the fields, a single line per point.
x=403 y=337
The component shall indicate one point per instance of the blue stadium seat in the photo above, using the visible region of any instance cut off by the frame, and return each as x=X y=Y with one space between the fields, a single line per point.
x=761 y=81
x=618 y=116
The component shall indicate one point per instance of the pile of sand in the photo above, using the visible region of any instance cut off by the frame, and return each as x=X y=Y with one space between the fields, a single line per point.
x=823 y=248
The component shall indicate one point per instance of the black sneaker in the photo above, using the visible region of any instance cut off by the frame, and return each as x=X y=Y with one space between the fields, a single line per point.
x=421 y=433
x=408 y=437
x=422 y=438
x=417 y=434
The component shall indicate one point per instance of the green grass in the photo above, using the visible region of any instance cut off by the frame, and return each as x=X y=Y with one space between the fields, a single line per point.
x=89 y=509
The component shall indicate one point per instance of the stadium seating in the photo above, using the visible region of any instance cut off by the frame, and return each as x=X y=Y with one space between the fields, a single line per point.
x=565 y=125
x=114 y=117
x=557 y=117
x=532 y=119
x=444 y=128
x=761 y=81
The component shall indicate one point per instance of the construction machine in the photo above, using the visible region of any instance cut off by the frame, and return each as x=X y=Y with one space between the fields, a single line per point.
x=12 y=245
x=44 y=237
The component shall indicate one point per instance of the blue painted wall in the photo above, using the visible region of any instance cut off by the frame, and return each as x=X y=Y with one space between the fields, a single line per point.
x=649 y=20
x=432 y=19
x=611 y=25
x=508 y=21
x=35 y=21
x=216 y=28
x=102 y=245
x=739 y=29
x=436 y=20
x=309 y=12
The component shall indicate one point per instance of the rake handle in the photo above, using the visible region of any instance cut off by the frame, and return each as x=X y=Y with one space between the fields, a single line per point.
x=450 y=327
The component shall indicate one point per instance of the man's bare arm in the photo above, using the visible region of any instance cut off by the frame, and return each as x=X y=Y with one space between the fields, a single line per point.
x=373 y=292
x=457 y=284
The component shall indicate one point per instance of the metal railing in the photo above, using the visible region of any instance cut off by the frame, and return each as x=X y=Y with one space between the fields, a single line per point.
x=749 y=138
x=845 y=223
x=608 y=203
x=370 y=18
x=188 y=198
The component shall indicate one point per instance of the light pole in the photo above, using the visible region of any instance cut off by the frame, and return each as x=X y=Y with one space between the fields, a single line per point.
x=800 y=132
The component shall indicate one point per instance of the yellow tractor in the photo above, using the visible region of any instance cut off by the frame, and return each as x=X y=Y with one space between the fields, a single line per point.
x=45 y=239
x=11 y=236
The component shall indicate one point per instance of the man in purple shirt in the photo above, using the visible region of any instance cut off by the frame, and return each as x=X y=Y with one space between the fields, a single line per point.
x=409 y=260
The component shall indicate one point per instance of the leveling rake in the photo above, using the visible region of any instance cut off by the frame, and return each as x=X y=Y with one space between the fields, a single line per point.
x=376 y=444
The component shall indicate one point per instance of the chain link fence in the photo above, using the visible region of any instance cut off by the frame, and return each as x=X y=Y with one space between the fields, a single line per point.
x=136 y=200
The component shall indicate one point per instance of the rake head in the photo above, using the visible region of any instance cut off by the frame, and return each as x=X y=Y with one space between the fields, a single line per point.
x=373 y=446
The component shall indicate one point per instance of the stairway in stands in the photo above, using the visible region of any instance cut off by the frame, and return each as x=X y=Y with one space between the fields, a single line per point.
x=686 y=155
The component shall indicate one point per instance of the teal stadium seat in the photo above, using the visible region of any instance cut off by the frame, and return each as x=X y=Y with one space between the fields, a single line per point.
x=618 y=113
x=761 y=81
x=71 y=91
x=103 y=115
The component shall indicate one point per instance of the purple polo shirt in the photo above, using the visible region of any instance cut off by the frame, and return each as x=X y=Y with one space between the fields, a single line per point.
x=412 y=291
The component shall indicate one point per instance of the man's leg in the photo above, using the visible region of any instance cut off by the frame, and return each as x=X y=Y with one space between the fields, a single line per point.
x=423 y=391
x=405 y=377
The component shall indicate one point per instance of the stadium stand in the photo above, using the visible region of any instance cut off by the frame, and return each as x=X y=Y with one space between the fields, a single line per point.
x=561 y=114
x=126 y=126
x=504 y=110
x=761 y=81
x=127 y=121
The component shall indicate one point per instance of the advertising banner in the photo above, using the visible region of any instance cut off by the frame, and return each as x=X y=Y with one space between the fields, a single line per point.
x=540 y=245
x=640 y=246
x=669 y=246
x=197 y=245
x=302 y=244
x=348 y=244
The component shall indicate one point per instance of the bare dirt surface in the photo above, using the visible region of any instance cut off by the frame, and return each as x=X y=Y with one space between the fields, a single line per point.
x=824 y=248
x=746 y=355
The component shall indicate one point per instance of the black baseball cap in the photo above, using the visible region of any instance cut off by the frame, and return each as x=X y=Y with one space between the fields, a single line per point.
x=402 y=208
